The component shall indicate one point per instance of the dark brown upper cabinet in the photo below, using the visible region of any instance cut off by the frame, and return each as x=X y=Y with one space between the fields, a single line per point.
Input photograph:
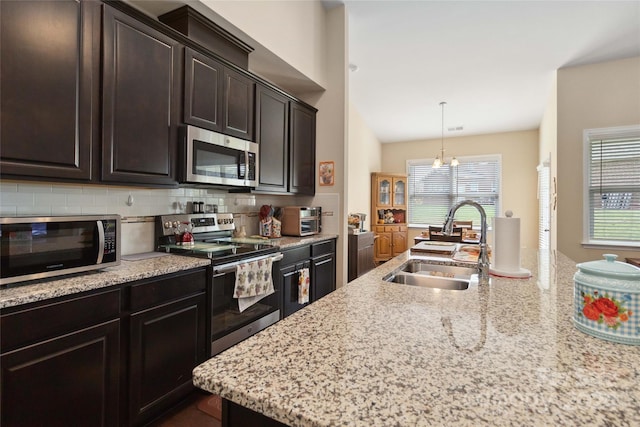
x=49 y=74
x=272 y=136
x=141 y=102
x=217 y=97
x=302 y=149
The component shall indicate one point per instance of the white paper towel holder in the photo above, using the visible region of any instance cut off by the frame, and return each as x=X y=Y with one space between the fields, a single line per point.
x=520 y=273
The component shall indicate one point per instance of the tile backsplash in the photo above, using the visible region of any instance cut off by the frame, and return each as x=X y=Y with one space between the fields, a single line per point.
x=136 y=205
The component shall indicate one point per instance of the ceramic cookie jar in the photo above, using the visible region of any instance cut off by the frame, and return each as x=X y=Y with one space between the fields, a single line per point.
x=607 y=300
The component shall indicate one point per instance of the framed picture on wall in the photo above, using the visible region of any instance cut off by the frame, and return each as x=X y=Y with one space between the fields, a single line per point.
x=326 y=172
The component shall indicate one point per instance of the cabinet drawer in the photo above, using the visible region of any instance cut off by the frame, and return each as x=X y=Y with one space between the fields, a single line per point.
x=291 y=256
x=322 y=248
x=391 y=228
x=49 y=320
x=156 y=291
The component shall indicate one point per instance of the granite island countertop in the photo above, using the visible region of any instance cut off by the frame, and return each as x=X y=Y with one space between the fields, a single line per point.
x=374 y=353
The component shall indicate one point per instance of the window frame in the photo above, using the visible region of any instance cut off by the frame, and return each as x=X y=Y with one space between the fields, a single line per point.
x=463 y=159
x=589 y=136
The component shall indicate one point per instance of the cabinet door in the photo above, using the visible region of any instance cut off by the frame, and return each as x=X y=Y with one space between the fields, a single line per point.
x=399 y=193
x=399 y=242
x=302 y=150
x=383 y=246
x=141 y=84
x=71 y=380
x=203 y=88
x=166 y=343
x=239 y=105
x=323 y=276
x=49 y=75
x=272 y=136
x=289 y=276
x=383 y=191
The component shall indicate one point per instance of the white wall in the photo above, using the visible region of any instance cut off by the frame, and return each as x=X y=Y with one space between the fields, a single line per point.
x=295 y=31
x=364 y=157
x=548 y=151
x=590 y=96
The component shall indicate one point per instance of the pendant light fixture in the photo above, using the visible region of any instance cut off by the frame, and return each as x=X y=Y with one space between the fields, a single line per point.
x=440 y=161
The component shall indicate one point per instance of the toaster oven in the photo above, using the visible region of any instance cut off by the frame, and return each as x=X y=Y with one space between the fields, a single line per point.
x=301 y=220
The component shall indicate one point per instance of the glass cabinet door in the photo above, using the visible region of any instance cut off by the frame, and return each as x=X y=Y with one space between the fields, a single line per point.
x=384 y=192
x=399 y=191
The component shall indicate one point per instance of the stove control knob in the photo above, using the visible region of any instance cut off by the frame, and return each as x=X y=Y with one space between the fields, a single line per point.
x=167 y=224
x=219 y=221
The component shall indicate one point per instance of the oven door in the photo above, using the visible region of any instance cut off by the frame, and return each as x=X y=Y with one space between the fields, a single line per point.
x=229 y=325
x=214 y=158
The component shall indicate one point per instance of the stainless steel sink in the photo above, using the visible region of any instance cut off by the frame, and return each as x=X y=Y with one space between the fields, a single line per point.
x=439 y=270
x=424 y=274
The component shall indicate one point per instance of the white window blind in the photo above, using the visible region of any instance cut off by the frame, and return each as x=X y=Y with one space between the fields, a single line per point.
x=613 y=181
x=432 y=192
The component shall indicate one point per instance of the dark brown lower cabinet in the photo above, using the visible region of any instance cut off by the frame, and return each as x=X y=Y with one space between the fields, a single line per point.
x=320 y=259
x=166 y=341
x=166 y=344
x=57 y=370
x=118 y=356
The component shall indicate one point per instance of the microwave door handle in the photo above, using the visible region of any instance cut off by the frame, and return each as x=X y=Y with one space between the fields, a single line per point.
x=100 y=241
x=241 y=164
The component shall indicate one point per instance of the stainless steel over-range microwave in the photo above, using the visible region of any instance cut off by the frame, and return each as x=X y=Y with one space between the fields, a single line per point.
x=45 y=247
x=214 y=158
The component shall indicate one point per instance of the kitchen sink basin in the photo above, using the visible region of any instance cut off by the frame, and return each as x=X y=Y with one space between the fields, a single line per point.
x=438 y=270
x=424 y=274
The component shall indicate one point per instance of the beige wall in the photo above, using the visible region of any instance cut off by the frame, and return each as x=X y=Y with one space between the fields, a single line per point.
x=548 y=152
x=363 y=158
x=519 y=152
x=591 y=96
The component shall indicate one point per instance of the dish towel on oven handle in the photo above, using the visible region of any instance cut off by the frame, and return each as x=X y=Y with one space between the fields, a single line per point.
x=303 y=286
x=253 y=282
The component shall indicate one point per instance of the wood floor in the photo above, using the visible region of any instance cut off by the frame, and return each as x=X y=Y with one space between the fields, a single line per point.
x=189 y=415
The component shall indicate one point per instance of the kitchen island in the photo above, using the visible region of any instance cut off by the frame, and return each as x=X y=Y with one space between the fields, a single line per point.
x=375 y=353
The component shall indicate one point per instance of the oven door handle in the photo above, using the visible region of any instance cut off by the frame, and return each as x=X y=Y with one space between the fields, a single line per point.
x=231 y=267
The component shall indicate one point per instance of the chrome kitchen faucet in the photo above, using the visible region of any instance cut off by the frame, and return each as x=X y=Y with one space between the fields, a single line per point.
x=483 y=257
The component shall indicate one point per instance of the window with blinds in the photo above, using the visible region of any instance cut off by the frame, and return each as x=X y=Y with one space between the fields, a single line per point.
x=432 y=192
x=613 y=186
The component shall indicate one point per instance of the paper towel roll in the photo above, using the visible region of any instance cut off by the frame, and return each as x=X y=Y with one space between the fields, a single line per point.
x=506 y=247
x=506 y=244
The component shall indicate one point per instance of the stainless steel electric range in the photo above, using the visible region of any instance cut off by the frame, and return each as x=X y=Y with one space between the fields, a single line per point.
x=213 y=239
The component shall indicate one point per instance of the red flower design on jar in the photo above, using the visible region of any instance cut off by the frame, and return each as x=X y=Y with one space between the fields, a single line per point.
x=591 y=312
x=606 y=307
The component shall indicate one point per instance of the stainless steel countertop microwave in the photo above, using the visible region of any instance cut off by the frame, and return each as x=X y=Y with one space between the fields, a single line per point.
x=214 y=158
x=45 y=247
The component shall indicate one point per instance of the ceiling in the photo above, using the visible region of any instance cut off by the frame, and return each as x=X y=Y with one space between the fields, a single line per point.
x=492 y=61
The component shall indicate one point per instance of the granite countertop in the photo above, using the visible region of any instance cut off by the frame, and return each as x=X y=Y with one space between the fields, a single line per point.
x=374 y=353
x=127 y=271
x=286 y=242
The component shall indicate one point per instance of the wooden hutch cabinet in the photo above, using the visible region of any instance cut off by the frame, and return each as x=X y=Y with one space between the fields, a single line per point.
x=389 y=214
